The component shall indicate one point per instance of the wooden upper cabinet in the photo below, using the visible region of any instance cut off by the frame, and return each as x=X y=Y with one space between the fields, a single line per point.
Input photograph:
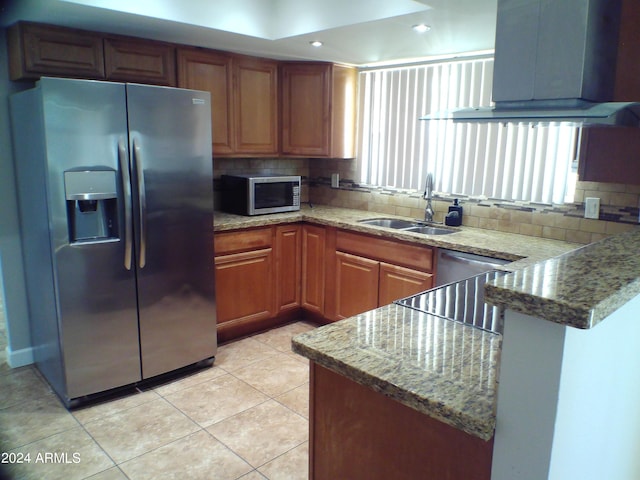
x=610 y=155
x=36 y=50
x=211 y=71
x=142 y=61
x=244 y=99
x=255 y=105
x=318 y=109
x=627 y=83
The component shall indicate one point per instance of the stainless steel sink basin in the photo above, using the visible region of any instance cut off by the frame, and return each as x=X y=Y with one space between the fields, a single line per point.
x=407 y=226
x=396 y=223
x=427 y=230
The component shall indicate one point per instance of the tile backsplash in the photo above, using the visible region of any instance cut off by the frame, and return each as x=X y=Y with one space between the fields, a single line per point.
x=618 y=206
x=618 y=203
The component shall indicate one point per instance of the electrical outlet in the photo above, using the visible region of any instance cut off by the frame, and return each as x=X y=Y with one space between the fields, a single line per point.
x=335 y=180
x=592 y=207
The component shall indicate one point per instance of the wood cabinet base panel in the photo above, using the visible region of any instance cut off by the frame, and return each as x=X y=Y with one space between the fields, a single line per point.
x=236 y=329
x=357 y=433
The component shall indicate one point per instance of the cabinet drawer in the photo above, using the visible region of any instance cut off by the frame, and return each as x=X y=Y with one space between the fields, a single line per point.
x=392 y=251
x=242 y=240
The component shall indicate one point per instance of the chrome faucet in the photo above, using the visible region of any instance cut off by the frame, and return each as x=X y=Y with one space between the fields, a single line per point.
x=428 y=194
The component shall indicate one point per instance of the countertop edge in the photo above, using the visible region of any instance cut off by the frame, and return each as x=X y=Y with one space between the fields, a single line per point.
x=482 y=429
x=580 y=288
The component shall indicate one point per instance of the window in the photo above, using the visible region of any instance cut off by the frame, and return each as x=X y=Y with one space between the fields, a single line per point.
x=506 y=161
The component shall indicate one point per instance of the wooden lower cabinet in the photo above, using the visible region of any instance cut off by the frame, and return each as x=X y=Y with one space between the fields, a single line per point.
x=356 y=284
x=288 y=246
x=358 y=433
x=257 y=279
x=313 y=268
x=269 y=275
x=366 y=279
x=244 y=286
x=399 y=282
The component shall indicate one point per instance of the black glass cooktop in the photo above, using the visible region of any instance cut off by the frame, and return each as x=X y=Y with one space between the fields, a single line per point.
x=461 y=301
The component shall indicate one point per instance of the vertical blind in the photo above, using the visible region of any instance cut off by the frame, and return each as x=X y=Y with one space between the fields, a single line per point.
x=514 y=161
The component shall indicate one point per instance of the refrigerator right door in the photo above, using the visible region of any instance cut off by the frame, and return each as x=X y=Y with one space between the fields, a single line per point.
x=172 y=178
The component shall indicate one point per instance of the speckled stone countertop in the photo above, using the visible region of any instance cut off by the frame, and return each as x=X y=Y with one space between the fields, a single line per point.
x=439 y=367
x=580 y=288
x=521 y=249
x=445 y=369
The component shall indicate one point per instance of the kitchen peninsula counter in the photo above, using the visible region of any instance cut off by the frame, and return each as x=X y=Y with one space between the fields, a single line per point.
x=439 y=367
x=579 y=288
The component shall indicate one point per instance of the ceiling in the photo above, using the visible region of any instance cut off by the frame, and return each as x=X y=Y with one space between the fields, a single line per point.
x=358 y=32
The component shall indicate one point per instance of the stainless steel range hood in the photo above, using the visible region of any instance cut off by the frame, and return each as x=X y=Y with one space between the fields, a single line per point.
x=555 y=61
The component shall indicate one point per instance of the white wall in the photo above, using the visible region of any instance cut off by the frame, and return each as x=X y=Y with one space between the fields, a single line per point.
x=15 y=299
x=569 y=399
x=530 y=366
x=598 y=421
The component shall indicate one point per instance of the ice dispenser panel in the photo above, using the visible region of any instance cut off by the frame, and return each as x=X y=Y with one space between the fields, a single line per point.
x=92 y=202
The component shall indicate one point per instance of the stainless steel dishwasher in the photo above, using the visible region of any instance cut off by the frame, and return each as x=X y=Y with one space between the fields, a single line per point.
x=453 y=266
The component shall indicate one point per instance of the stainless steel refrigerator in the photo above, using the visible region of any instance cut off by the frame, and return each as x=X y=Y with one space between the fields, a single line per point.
x=116 y=211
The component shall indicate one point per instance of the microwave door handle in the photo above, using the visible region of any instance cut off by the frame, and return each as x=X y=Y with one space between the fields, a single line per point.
x=142 y=205
x=126 y=193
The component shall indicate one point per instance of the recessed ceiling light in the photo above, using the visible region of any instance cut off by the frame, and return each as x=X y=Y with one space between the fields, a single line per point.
x=316 y=43
x=421 y=28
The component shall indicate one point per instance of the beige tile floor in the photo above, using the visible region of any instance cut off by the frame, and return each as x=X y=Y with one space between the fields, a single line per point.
x=244 y=418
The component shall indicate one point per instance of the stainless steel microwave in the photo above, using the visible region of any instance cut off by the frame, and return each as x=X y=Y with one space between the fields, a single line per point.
x=260 y=194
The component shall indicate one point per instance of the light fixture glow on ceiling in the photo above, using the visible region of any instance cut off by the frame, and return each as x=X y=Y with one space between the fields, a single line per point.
x=316 y=43
x=421 y=28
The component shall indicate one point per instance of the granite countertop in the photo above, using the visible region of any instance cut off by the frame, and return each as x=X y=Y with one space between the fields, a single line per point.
x=522 y=250
x=444 y=369
x=579 y=288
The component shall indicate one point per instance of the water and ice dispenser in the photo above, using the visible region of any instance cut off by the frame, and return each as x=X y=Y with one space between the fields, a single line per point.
x=92 y=205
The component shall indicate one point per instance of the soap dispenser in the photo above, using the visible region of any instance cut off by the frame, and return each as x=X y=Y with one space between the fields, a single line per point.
x=454 y=217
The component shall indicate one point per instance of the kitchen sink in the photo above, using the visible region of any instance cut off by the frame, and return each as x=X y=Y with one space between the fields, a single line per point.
x=407 y=226
x=427 y=230
x=396 y=223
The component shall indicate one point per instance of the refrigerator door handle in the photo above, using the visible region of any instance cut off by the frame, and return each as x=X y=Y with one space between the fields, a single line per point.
x=126 y=190
x=142 y=205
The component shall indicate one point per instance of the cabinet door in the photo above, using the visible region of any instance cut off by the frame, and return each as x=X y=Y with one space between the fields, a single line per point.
x=627 y=83
x=356 y=284
x=244 y=286
x=399 y=282
x=137 y=60
x=313 y=268
x=36 y=50
x=306 y=90
x=211 y=71
x=256 y=105
x=609 y=155
x=288 y=247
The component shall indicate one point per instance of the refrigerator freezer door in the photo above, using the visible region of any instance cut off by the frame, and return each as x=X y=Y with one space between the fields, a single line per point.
x=84 y=124
x=171 y=165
